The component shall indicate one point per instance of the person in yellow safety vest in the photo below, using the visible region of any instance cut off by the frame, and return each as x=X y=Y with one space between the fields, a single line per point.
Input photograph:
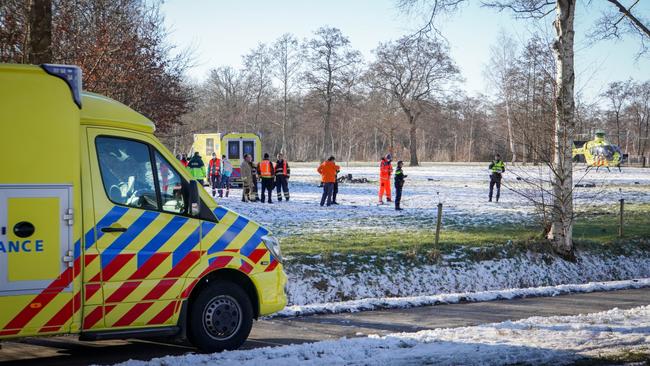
x=385 y=170
x=496 y=168
x=282 y=173
x=197 y=167
x=267 y=173
x=214 y=174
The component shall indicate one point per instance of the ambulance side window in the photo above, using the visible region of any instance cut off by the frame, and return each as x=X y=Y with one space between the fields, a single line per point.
x=233 y=150
x=170 y=186
x=209 y=146
x=249 y=148
x=126 y=172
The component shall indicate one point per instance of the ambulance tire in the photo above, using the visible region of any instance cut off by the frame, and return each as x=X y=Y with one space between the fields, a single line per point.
x=220 y=318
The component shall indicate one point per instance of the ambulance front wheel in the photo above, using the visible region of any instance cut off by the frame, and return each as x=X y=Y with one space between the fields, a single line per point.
x=221 y=318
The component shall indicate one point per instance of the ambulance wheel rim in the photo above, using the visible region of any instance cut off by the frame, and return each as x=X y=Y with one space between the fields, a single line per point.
x=222 y=317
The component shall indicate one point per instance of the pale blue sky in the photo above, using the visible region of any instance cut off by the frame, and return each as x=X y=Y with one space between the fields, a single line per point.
x=221 y=31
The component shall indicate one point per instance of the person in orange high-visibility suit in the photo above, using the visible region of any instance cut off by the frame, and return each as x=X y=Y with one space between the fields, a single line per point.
x=327 y=171
x=267 y=173
x=385 y=170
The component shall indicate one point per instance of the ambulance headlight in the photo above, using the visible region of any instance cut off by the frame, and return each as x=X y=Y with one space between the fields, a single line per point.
x=273 y=245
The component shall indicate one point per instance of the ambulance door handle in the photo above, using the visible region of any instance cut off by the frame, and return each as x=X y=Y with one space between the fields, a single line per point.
x=109 y=229
x=69 y=258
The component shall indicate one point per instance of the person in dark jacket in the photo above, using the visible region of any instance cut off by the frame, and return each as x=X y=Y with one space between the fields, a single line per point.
x=197 y=167
x=282 y=173
x=496 y=168
x=335 y=190
x=399 y=183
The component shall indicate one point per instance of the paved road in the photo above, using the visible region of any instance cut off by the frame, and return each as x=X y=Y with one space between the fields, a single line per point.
x=69 y=351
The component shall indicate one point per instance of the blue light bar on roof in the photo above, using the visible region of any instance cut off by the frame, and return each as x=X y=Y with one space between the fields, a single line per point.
x=71 y=75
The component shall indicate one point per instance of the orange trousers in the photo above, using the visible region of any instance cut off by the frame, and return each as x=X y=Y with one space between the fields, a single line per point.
x=384 y=189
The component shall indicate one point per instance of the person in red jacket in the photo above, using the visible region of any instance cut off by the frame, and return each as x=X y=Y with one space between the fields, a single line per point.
x=385 y=170
x=327 y=172
x=214 y=174
x=282 y=173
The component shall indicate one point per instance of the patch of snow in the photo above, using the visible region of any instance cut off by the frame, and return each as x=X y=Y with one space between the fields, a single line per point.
x=557 y=340
x=452 y=298
x=349 y=279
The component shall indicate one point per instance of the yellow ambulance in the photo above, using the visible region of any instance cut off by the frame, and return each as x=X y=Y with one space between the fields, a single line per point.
x=233 y=145
x=103 y=232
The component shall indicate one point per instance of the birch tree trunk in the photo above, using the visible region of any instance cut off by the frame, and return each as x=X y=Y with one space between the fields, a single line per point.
x=561 y=232
x=511 y=138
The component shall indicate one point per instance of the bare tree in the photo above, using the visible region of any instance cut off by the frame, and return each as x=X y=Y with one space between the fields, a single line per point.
x=414 y=71
x=257 y=69
x=228 y=98
x=619 y=21
x=286 y=66
x=329 y=56
x=501 y=72
x=617 y=94
x=639 y=111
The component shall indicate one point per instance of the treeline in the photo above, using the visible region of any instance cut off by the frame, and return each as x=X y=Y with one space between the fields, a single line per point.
x=317 y=97
x=120 y=46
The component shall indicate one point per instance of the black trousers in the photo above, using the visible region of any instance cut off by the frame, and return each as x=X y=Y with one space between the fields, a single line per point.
x=267 y=186
x=398 y=194
x=495 y=179
x=335 y=191
x=215 y=183
x=282 y=185
x=328 y=188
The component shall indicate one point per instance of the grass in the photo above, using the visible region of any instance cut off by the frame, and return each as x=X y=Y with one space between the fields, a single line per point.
x=622 y=358
x=596 y=230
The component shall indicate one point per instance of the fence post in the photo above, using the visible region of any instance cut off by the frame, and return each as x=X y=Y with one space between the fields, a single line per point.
x=620 y=222
x=438 y=223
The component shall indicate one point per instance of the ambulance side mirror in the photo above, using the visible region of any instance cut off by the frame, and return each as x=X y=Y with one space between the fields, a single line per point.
x=195 y=200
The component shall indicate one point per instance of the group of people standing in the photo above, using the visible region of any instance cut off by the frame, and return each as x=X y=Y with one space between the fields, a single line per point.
x=276 y=175
x=329 y=179
x=218 y=172
x=271 y=175
x=385 y=171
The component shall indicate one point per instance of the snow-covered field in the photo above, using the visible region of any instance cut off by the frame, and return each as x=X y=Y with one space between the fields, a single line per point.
x=557 y=340
x=462 y=189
